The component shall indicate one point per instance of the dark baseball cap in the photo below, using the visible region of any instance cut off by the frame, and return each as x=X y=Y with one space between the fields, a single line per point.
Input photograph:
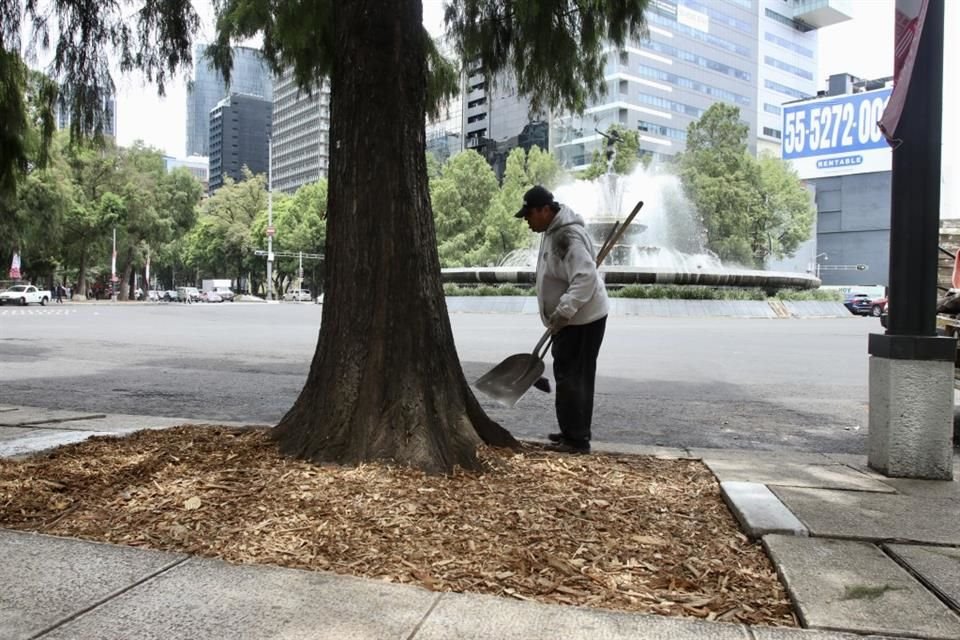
x=534 y=198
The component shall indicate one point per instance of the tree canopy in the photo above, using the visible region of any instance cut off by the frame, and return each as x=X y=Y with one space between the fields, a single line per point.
x=750 y=209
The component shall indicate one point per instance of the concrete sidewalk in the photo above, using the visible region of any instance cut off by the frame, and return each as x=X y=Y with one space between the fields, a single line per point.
x=858 y=552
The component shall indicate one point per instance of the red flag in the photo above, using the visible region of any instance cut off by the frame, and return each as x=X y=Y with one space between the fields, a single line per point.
x=910 y=16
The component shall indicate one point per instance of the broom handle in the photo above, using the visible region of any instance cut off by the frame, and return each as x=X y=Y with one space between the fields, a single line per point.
x=615 y=235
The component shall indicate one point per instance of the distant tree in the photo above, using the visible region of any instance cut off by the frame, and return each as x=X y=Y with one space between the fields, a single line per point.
x=627 y=147
x=301 y=226
x=719 y=177
x=385 y=382
x=461 y=197
x=750 y=209
x=503 y=233
x=226 y=234
x=784 y=219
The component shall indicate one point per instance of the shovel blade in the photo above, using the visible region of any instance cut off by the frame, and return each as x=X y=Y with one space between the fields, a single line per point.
x=508 y=381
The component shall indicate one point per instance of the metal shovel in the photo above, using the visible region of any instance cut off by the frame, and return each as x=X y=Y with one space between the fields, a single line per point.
x=511 y=379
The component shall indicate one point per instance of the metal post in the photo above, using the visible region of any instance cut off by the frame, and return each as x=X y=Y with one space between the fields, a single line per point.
x=300 y=277
x=915 y=190
x=911 y=369
x=270 y=218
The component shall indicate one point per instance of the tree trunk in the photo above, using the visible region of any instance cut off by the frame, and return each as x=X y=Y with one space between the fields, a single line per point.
x=385 y=382
x=82 y=272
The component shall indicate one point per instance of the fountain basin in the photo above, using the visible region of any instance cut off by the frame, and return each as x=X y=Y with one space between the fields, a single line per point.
x=641 y=275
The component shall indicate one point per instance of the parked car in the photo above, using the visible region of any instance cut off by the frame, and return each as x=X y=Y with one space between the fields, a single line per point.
x=878 y=307
x=319 y=299
x=298 y=295
x=859 y=304
x=171 y=295
x=155 y=296
x=210 y=296
x=24 y=294
x=225 y=293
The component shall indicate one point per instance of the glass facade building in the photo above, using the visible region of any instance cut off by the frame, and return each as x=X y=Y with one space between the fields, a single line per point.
x=250 y=76
x=239 y=135
x=754 y=54
x=301 y=133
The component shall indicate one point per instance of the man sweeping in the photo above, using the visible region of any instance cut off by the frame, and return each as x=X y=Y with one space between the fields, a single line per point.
x=573 y=305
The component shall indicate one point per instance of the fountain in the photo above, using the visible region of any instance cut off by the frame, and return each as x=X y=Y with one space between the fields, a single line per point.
x=664 y=244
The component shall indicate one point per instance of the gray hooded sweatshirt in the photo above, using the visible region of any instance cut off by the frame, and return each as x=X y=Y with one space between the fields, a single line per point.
x=567 y=276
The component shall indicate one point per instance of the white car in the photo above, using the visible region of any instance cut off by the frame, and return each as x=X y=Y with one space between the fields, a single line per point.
x=301 y=295
x=24 y=294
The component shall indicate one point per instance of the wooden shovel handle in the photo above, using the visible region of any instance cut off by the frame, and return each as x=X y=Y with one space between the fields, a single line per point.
x=617 y=234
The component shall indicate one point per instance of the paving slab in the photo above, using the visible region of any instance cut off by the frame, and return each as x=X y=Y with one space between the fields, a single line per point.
x=794 y=474
x=32 y=415
x=205 y=599
x=844 y=585
x=786 y=633
x=758 y=511
x=874 y=516
x=37 y=440
x=480 y=617
x=44 y=580
x=936 y=567
x=753 y=455
x=926 y=488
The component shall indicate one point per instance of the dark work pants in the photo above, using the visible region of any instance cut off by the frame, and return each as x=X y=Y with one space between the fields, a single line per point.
x=575 y=349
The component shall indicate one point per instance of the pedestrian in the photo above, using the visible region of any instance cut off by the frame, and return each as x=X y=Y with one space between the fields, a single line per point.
x=60 y=292
x=573 y=304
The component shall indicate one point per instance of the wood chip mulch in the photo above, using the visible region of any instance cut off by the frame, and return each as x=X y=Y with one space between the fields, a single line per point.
x=630 y=533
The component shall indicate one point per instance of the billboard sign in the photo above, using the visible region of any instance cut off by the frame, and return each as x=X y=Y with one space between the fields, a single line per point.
x=836 y=135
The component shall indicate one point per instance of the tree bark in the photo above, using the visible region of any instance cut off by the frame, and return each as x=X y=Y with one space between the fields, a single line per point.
x=82 y=272
x=385 y=382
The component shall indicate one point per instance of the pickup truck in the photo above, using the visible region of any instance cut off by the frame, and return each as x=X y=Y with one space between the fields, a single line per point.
x=24 y=294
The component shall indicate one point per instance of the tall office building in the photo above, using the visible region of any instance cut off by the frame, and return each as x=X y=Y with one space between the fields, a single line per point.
x=301 y=133
x=444 y=134
x=755 y=54
x=239 y=135
x=250 y=76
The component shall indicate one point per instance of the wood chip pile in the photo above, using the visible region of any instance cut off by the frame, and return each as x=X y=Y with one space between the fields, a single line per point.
x=630 y=533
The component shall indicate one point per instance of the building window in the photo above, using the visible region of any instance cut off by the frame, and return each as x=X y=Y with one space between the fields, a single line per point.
x=787 y=44
x=789 y=68
x=776 y=86
x=784 y=20
x=773 y=133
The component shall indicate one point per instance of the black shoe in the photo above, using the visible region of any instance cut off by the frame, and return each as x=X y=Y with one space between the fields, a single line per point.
x=555 y=437
x=569 y=446
x=543 y=384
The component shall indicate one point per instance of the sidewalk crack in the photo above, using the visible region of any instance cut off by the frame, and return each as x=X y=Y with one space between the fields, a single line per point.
x=109 y=597
x=433 y=606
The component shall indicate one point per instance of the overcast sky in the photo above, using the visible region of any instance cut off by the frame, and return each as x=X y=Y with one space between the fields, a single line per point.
x=862 y=46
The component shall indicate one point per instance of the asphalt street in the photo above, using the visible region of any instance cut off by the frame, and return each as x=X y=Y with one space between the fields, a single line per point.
x=683 y=382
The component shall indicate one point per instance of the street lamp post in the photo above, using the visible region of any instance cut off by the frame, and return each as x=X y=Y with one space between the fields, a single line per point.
x=816 y=261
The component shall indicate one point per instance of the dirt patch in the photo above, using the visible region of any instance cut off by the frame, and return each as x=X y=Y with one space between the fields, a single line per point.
x=631 y=533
